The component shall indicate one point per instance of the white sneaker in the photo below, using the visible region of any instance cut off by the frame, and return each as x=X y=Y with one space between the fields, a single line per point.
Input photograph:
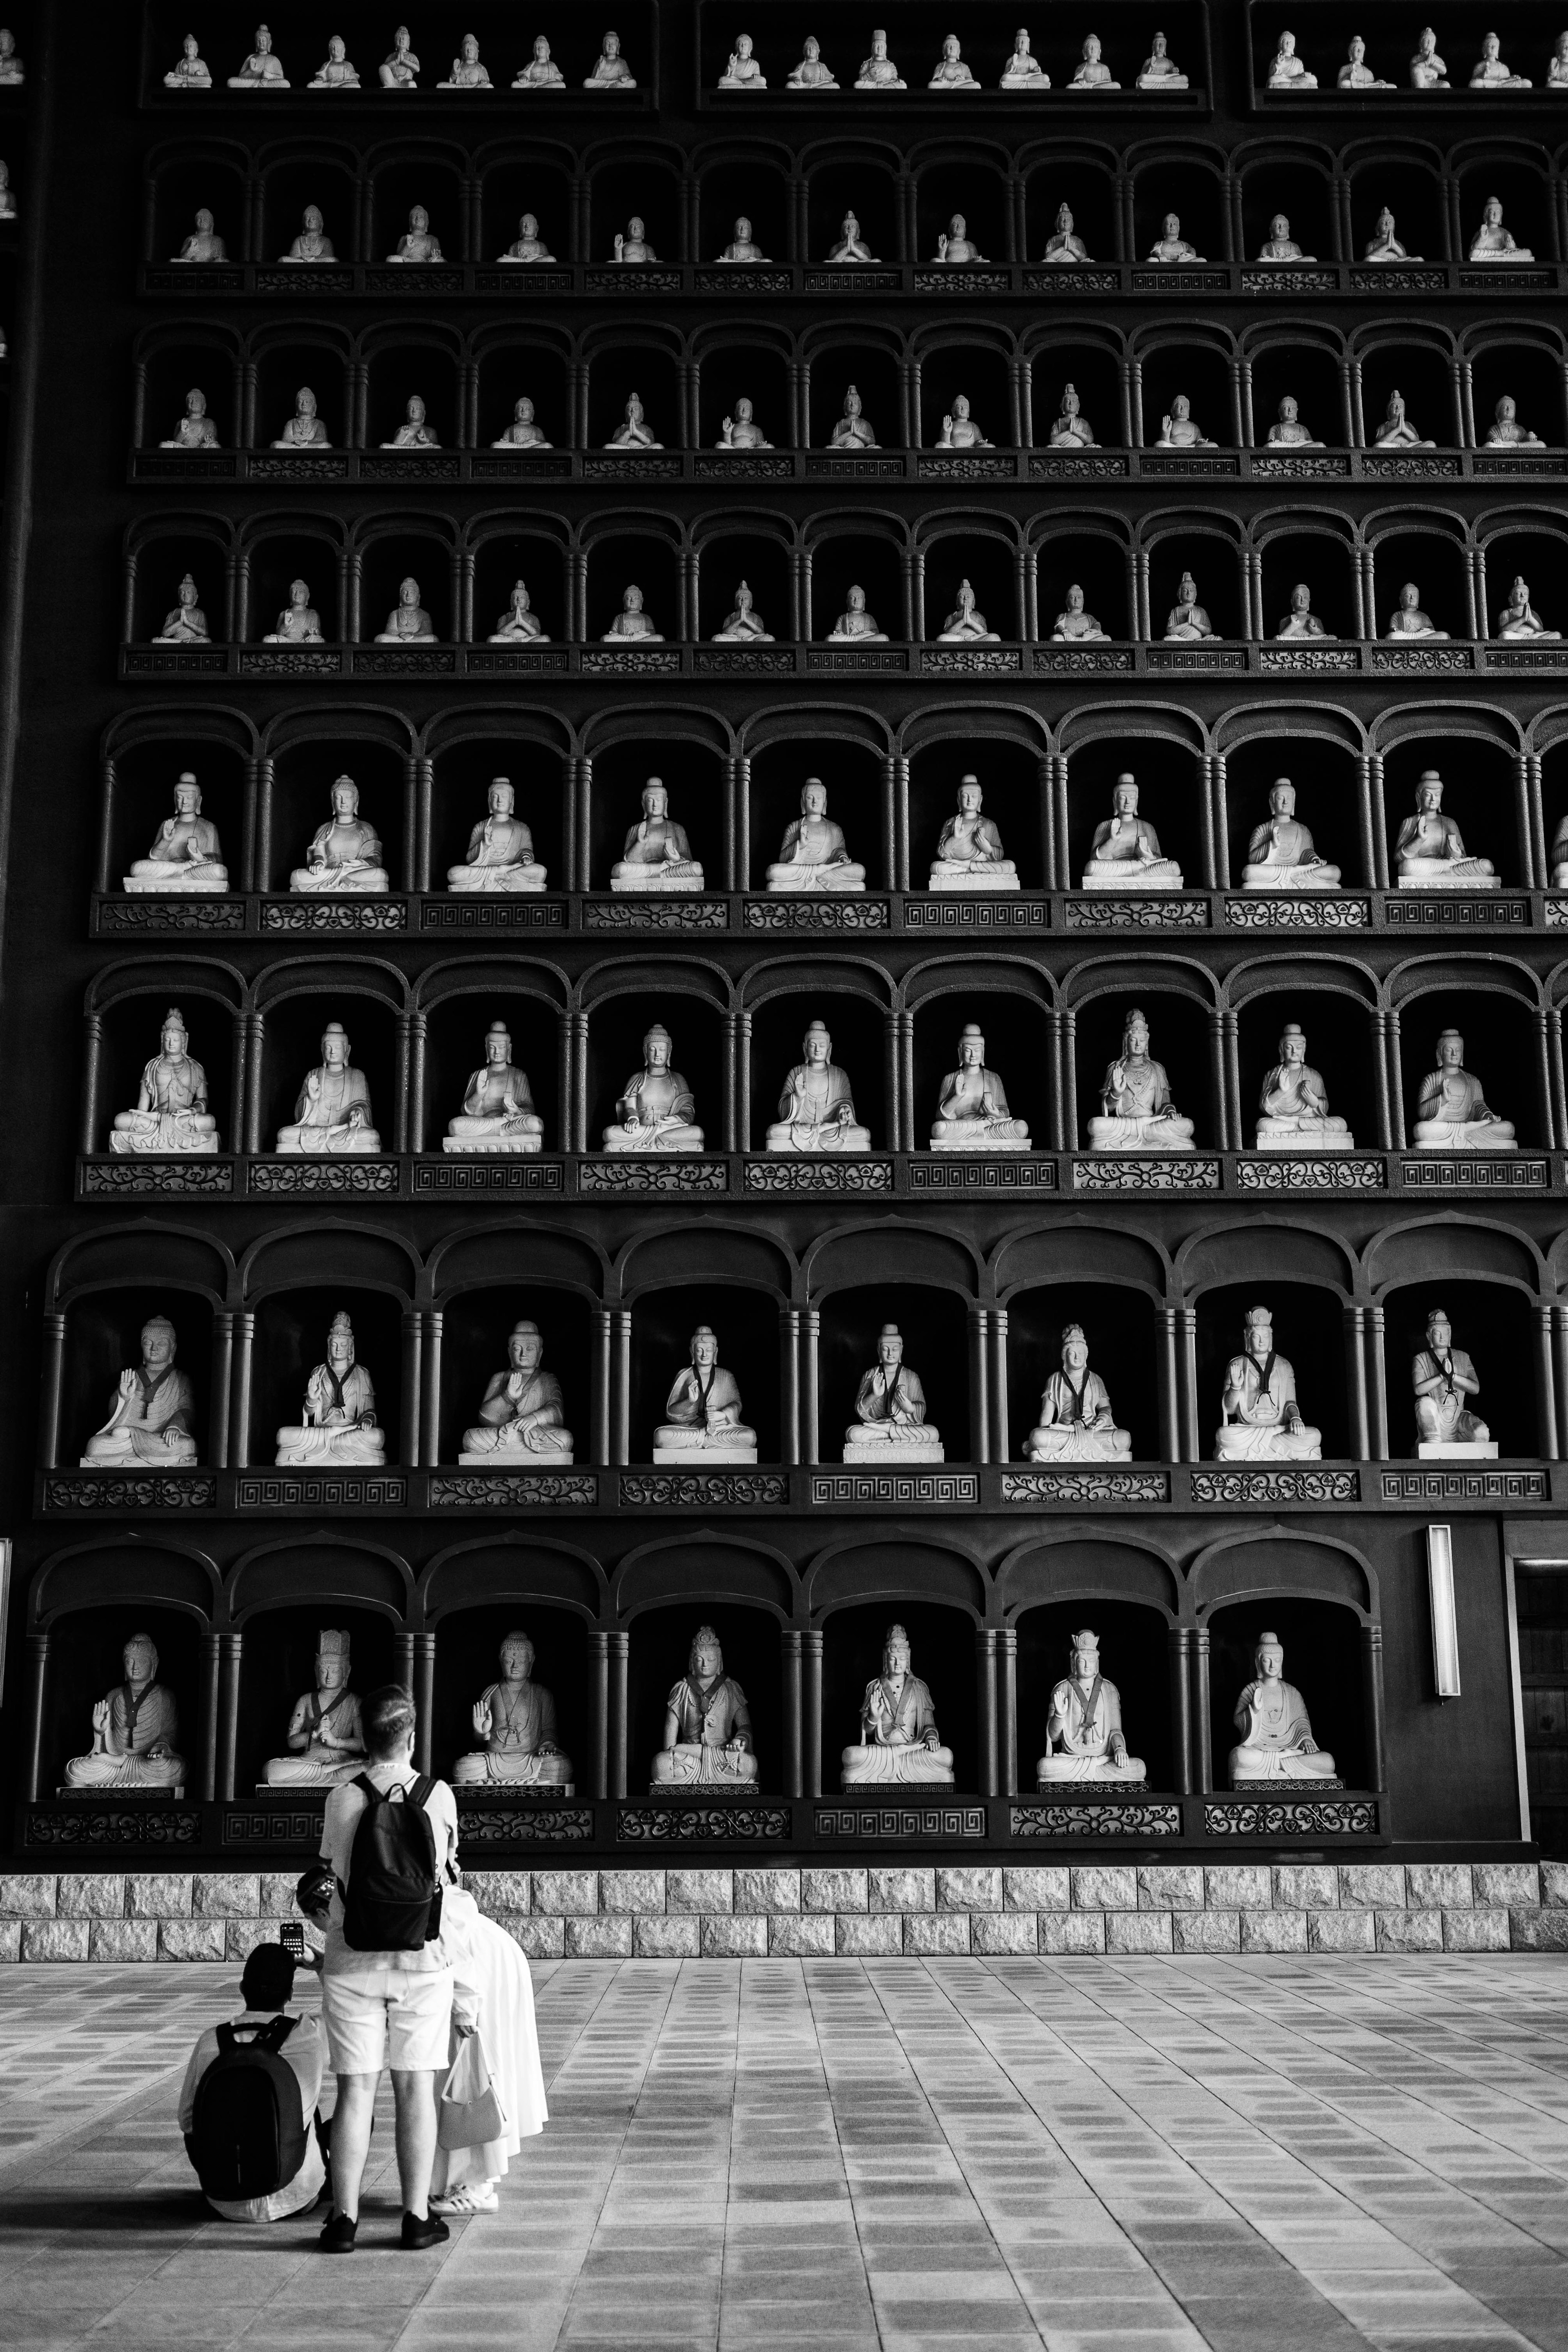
x=472 y=2197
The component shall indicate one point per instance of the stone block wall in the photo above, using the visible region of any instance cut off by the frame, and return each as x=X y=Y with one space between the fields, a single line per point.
x=851 y=1911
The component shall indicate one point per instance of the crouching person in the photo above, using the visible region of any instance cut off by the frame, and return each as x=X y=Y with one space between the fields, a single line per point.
x=388 y=1839
x=247 y=2107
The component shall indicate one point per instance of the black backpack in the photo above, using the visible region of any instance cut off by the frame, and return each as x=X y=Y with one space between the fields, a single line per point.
x=392 y=1900
x=247 y=2137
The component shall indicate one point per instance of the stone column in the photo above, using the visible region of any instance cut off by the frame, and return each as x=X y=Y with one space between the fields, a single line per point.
x=38 y=1683
x=979 y=1386
x=790 y=1660
x=1545 y=1383
x=54 y=1380
x=1372 y=1703
x=1179 y=1671
x=430 y=1390
x=93 y=1027
x=620 y=1385
x=408 y=1417
x=1560 y=1339
x=1354 y=1318
x=576 y=1120
x=218 y=1406
x=789 y=1384
x=423 y=1697
x=1203 y=1727
x=228 y=1713
x=598 y=1761
x=1169 y=1385
x=810 y=1335
x=207 y=1733
x=415 y=1139
x=617 y=1645
x=811 y=1710
x=1001 y=1443
x=1008 y=1711
x=1377 y=1385
x=239 y=1421
x=1187 y=1322
x=985 y=1709
x=904 y=1036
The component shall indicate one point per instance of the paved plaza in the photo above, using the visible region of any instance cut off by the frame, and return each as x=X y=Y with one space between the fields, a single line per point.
x=1133 y=2155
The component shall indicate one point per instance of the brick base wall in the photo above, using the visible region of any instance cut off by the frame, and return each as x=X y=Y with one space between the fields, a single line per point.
x=852 y=1911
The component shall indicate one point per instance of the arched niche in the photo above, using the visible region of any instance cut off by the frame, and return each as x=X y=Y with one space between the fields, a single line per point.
x=1174 y=361
x=617 y=1024
x=133 y=1010
x=477 y=1325
x=1095 y=558
x=1133 y=1654
x=303 y=359
x=695 y=778
x=861 y=180
x=1082 y=1570
x=1321 y=1640
x=405 y=549
x=104 y=1339
x=1329 y=797
x=1494 y=1324
x=1188 y=185
x=645 y=184
x=1092 y=363
x=408 y=363
x=694 y=1251
x=512 y=1572
x=457 y=1025
x=987 y=561
x=1178 y=1040
x=321 y=1572
x=431 y=180
x=200 y=359
x=291 y=1332
x=1340 y=1025
x=859 y=552
x=1526 y=368
x=1169 y=794
x=1209 y=553
x=521 y=365
x=656 y=1662
x=1307 y=368
x=1554 y=803
x=857 y=784
x=293 y=1257
x=166 y=1255
x=294 y=181
x=1309 y=1333
x=1086 y=185
x=975 y=366
x=293 y=1047
x=468 y=1662
x=127 y=1571
x=749 y=363
x=1118 y=1323
x=537 y=771
x=940 y=1656
x=638 y=362
x=1498 y=1027
x=532 y=181
x=1522 y=186
x=277 y=1668
x=276 y=558
x=1295 y=183
x=1411 y=186
x=1434 y=562
x=1007 y=771
x=974 y=184
x=753 y=185
x=1075 y=1251
x=87 y=1663
x=1414 y=364
x=645 y=559
x=889 y=1254
x=745 y=1323
x=1527 y=547
x=750 y=548
x=1480 y=788
x=145 y=774
x=164 y=554
x=702 y=1568
x=858 y=1029
x=1006 y=1003
x=200 y=178
x=934 y=1327
x=864 y=360
x=1321 y=560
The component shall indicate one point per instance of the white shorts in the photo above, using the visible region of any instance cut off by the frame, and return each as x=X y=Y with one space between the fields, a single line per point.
x=363 y=2013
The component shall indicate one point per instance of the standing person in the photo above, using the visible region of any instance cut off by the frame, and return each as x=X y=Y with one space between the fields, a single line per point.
x=250 y=2108
x=388 y=1838
x=490 y=1960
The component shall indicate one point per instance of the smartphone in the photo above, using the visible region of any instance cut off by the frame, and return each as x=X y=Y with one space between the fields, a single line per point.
x=293 y=1938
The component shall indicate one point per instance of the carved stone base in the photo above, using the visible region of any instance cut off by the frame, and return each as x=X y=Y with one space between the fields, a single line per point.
x=680 y=886
x=516 y=1460
x=1302 y=1141
x=145 y=886
x=698 y=1457
x=1160 y=875
x=1457 y=881
x=492 y=1143
x=980 y=1142
x=117 y=1796
x=1429 y=1451
x=973 y=878
x=880 y=1452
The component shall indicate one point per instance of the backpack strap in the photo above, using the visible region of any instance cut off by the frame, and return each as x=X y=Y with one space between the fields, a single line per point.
x=225 y=2040
x=420 y=1789
x=273 y=2035
x=363 y=1780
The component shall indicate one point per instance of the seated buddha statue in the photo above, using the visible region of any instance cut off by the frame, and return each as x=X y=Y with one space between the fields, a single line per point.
x=1396 y=432
x=816 y=1107
x=171 y=1114
x=1519 y=619
x=414 y=432
x=196 y=429
x=304 y=429
x=540 y=72
x=1493 y=242
x=186 y=624
x=344 y=852
x=331 y=1117
x=1186 y=621
x=1125 y=853
x=522 y=1415
x=261 y=69
x=898 y=1737
x=1383 y=244
x=1261 y=1418
x=1557 y=70
x=1160 y=71
x=1170 y=246
x=851 y=245
x=1137 y=1113
x=632 y=623
x=814 y=855
x=408 y=623
x=514 y=1728
x=743 y=247
x=1444 y=1378
x=959 y=430
x=1301 y=621
x=1075 y=626
x=336 y=73
x=418 y=246
x=1430 y=851
x=633 y=432
x=743 y=626
x=956 y=244
x=186 y=854
x=877 y=71
x=1276 y=1742
x=1084 y=1739
x=1452 y=1111
x=703 y=1412
x=1294 y=1104
x=299 y=624
x=891 y=1423
x=1072 y=430
x=467 y=72
x=1064 y=244
x=12 y=74
x=499 y=854
x=854 y=429
x=744 y=71
x=1288 y=72
x=133 y=1732
x=312 y=246
x=338 y=1424
x=1280 y=245
x=150 y=1410
x=204 y=245
x=972 y=1113
x=1077 y=1423
x=1408 y=620
x=611 y=71
x=192 y=72
x=949 y=72
x=519 y=625
x=966 y=624
x=632 y=246
x=1506 y=432
x=1356 y=73
x=656 y=855
x=855 y=622
x=1023 y=69
x=325 y=1739
x=1092 y=72
x=497 y=1113
x=969 y=854
x=706 y=1729
x=741 y=431
x=522 y=433
x=1490 y=73
x=400 y=69
x=1279 y=854
x=1288 y=432
x=1427 y=70
x=1177 y=430
x=812 y=73
x=657 y=1108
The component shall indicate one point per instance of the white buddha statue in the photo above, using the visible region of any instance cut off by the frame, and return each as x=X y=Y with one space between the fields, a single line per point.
x=1490 y=73
x=656 y=1109
x=955 y=244
x=1084 y=1739
x=1023 y=69
x=312 y=247
x=1356 y=73
x=150 y=1410
x=702 y=1423
x=400 y=70
x=744 y=71
x=1301 y=621
x=336 y=72
x=1288 y=432
x=339 y=1424
x=633 y=432
x=1072 y=430
x=1280 y=245
x=196 y=429
x=1276 y=1742
x=854 y=429
x=851 y=245
x=816 y=1107
x=631 y=623
x=325 y=1739
x=344 y=852
x=959 y=430
x=1427 y=70
x=530 y=247
x=1125 y=853
x=632 y=246
x=1408 y=620
x=192 y=72
x=1444 y=1380
x=467 y=72
x=1288 y=72
x=1560 y=857
x=12 y=75
x=1077 y=626
x=814 y=856
x=133 y=1733
x=949 y=72
x=204 y=245
x=1064 y=245
x=522 y=433
x=1493 y=242
x=741 y=431
x=261 y=70
x=1186 y=621
x=407 y=624
x=898 y=1737
x=1262 y=1421
x=299 y=624
x=1279 y=854
x=186 y=624
x=743 y=626
x=522 y=1414
x=1557 y=69
x=1430 y=850
x=1383 y=244
x=966 y=624
x=418 y=246
x=499 y=854
x=877 y=71
x=810 y=73
x=855 y=624
x=972 y=1105
x=1519 y=622
x=1137 y=1113
x=1077 y=1423
x=331 y=1117
x=1396 y=431
x=304 y=429
x=1506 y=432
x=891 y=1423
x=171 y=1114
x=1170 y=246
x=969 y=854
x=519 y=625
x=1177 y=431
x=514 y=1724
x=1294 y=1104
x=497 y=1113
x=185 y=855
x=540 y=72
x=706 y=1729
x=612 y=72
x=415 y=431
x=1160 y=70
x=656 y=855
x=1452 y=1114
x=1092 y=72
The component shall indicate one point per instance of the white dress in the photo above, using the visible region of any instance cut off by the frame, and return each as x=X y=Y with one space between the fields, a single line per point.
x=490 y=1962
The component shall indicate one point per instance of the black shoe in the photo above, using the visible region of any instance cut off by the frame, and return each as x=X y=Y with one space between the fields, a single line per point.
x=418 y=2234
x=338 y=2235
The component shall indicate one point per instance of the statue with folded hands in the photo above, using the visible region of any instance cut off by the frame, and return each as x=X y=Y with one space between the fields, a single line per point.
x=514 y=1724
x=1084 y=1739
x=497 y=1113
x=1445 y=1381
x=522 y=1414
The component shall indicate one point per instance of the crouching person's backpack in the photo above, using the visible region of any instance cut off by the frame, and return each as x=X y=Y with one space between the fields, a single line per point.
x=392 y=1903
x=247 y=2137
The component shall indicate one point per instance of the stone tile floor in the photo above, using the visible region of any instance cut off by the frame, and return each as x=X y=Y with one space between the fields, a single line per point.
x=1095 y=2155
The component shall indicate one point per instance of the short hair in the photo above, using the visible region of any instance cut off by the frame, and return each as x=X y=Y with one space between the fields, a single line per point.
x=387 y=1716
x=269 y=1978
